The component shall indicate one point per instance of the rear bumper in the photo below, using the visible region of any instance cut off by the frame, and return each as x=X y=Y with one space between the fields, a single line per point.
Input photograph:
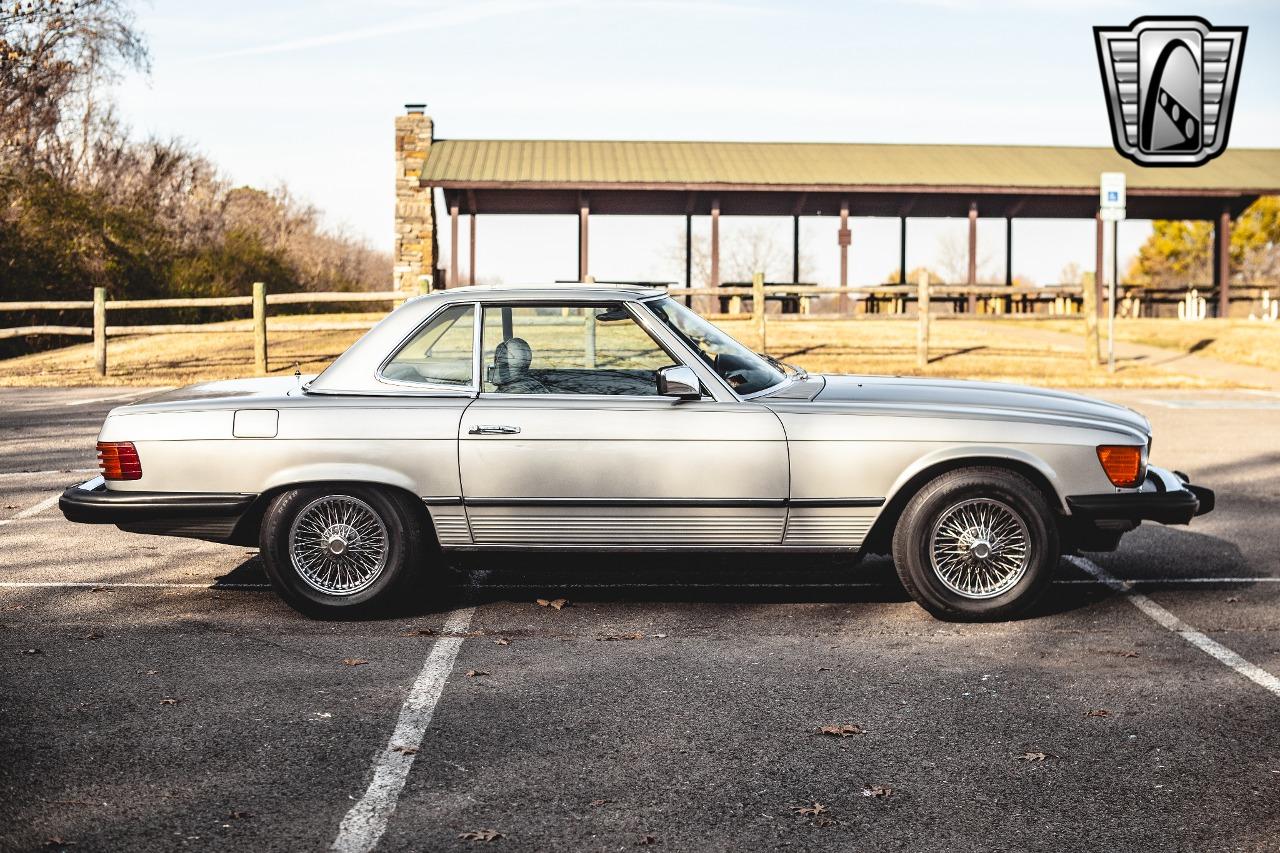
x=192 y=514
x=1166 y=497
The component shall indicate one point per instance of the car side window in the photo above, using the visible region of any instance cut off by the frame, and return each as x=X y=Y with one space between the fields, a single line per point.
x=441 y=353
x=568 y=349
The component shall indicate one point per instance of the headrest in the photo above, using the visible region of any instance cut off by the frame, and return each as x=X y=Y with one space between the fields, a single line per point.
x=511 y=360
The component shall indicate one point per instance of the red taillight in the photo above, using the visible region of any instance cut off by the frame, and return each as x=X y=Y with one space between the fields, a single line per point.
x=1123 y=464
x=119 y=460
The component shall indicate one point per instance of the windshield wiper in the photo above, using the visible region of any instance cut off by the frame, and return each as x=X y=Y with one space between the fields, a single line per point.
x=800 y=372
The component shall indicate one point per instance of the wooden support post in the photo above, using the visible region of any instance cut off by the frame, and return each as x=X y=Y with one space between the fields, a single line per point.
x=757 y=307
x=973 y=255
x=471 y=267
x=260 y=327
x=844 y=238
x=688 y=257
x=584 y=213
x=902 y=250
x=1008 y=262
x=715 y=242
x=453 y=244
x=100 y=330
x=1223 y=271
x=795 y=249
x=922 y=330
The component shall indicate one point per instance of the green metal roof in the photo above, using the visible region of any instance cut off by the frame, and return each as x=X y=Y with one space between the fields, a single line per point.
x=764 y=165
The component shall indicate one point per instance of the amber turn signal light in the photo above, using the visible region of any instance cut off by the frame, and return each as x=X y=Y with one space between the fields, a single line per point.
x=119 y=460
x=1123 y=464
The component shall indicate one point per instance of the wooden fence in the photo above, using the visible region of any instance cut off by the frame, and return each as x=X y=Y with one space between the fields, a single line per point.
x=743 y=301
x=259 y=301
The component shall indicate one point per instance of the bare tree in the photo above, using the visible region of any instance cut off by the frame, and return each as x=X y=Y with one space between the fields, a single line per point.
x=56 y=57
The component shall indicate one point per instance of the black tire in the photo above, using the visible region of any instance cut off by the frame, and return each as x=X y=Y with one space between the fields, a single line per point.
x=402 y=570
x=985 y=486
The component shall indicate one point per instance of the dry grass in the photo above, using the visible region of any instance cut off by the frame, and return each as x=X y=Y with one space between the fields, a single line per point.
x=959 y=349
x=1247 y=342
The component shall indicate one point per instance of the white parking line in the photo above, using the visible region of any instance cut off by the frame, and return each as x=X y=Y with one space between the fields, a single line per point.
x=1167 y=620
x=367 y=821
x=31 y=510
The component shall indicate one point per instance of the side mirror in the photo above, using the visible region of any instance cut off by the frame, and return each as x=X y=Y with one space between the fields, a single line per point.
x=679 y=381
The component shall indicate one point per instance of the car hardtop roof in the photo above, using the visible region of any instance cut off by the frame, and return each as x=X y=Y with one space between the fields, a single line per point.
x=590 y=292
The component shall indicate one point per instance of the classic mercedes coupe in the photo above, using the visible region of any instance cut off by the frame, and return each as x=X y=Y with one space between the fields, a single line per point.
x=615 y=418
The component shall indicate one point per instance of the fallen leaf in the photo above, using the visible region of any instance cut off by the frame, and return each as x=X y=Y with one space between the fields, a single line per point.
x=237 y=815
x=554 y=603
x=1033 y=756
x=846 y=730
x=1099 y=712
x=100 y=589
x=502 y=641
x=660 y=636
x=1233 y=599
x=646 y=840
x=93 y=636
x=405 y=750
x=1128 y=653
x=876 y=791
x=600 y=802
x=824 y=669
x=483 y=835
x=354 y=661
x=32 y=652
x=10 y=506
x=420 y=632
x=810 y=811
x=635 y=635
x=151 y=672
x=169 y=701
x=476 y=673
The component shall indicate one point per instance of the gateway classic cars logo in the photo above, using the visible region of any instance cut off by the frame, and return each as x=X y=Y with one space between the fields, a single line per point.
x=1170 y=85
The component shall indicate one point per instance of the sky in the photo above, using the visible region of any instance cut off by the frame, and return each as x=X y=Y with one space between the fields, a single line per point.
x=305 y=93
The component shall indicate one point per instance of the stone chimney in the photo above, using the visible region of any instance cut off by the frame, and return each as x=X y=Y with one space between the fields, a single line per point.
x=415 y=257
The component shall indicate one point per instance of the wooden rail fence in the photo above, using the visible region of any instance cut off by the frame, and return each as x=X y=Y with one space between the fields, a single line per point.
x=259 y=302
x=1001 y=302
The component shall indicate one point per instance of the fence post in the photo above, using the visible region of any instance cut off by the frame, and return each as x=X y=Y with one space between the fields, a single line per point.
x=100 y=330
x=260 y=327
x=1089 y=307
x=757 y=307
x=922 y=328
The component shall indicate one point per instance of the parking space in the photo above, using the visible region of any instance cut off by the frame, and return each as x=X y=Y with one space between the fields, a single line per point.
x=157 y=696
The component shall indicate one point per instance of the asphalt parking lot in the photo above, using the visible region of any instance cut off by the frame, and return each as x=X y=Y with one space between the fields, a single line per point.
x=155 y=695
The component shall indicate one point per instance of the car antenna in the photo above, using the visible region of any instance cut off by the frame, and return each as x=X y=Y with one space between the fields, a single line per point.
x=297 y=372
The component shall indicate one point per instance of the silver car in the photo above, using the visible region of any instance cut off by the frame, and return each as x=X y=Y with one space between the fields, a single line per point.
x=608 y=418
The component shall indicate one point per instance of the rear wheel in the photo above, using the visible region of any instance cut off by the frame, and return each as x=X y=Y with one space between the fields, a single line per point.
x=342 y=551
x=976 y=544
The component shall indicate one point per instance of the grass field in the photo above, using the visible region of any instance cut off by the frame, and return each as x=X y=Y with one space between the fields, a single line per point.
x=959 y=348
x=1236 y=341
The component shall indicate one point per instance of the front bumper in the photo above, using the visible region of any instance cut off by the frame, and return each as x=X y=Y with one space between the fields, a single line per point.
x=1165 y=496
x=191 y=514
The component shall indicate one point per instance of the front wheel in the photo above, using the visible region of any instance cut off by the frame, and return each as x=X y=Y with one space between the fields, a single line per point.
x=342 y=551
x=976 y=544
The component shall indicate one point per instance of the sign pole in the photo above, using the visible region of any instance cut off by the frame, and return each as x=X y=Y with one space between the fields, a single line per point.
x=1111 y=208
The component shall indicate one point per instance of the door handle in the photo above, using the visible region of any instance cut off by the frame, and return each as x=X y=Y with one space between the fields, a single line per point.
x=493 y=429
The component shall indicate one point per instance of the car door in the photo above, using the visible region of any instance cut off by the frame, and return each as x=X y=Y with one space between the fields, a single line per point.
x=568 y=443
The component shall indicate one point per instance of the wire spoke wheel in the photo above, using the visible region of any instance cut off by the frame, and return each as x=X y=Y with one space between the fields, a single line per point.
x=338 y=545
x=979 y=548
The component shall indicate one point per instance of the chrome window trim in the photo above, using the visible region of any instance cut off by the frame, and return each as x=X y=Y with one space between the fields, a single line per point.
x=433 y=389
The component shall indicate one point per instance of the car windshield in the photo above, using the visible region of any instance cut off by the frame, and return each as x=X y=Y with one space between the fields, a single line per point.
x=745 y=371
